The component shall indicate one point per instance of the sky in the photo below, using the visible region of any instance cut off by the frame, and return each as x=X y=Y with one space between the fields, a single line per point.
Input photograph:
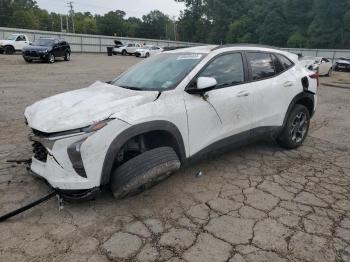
x=131 y=7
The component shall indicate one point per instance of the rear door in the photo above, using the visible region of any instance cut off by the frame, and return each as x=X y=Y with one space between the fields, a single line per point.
x=56 y=48
x=64 y=48
x=224 y=111
x=273 y=86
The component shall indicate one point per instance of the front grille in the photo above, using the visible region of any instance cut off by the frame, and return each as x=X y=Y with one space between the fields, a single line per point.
x=40 y=134
x=31 y=53
x=40 y=152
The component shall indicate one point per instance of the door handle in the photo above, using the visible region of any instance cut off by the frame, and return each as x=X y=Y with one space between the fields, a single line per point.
x=243 y=94
x=288 y=84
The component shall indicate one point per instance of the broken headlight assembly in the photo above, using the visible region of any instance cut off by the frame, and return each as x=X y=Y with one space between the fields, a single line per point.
x=75 y=157
x=95 y=127
x=74 y=149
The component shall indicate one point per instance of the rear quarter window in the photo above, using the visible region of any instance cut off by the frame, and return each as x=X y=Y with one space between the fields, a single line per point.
x=285 y=61
x=261 y=65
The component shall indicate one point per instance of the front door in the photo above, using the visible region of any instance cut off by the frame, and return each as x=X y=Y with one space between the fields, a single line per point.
x=224 y=111
x=21 y=42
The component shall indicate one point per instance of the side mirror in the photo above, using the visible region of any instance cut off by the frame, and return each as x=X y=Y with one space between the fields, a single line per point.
x=204 y=84
x=30 y=43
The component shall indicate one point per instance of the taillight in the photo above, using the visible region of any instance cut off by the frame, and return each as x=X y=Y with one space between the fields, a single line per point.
x=315 y=76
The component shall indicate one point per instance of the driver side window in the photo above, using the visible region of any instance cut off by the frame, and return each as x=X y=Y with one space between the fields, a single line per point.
x=227 y=69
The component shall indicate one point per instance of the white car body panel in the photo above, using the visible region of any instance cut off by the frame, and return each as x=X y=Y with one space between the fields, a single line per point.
x=201 y=122
x=150 y=50
x=18 y=45
x=320 y=64
x=129 y=48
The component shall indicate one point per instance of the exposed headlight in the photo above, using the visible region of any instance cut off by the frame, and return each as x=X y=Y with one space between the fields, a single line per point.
x=95 y=127
x=75 y=157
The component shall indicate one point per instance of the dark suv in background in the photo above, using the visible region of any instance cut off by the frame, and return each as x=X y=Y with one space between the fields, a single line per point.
x=47 y=49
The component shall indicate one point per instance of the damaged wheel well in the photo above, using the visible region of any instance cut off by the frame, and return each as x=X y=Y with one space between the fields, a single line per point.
x=308 y=103
x=138 y=139
x=144 y=142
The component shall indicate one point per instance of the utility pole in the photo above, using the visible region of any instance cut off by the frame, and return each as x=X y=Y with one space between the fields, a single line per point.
x=61 y=23
x=71 y=12
x=166 y=31
x=67 y=24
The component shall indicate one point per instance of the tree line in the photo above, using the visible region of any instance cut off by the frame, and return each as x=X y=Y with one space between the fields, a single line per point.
x=291 y=23
x=284 y=23
x=27 y=14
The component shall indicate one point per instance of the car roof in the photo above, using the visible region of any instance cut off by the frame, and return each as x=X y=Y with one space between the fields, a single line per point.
x=196 y=49
x=234 y=47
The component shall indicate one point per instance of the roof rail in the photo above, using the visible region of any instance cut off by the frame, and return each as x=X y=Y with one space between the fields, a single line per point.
x=243 y=45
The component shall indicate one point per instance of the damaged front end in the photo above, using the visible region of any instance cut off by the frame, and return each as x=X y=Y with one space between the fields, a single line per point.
x=57 y=159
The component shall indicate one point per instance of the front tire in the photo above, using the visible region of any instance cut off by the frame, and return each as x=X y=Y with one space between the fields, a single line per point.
x=124 y=52
x=28 y=60
x=147 y=55
x=296 y=128
x=144 y=171
x=51 y=58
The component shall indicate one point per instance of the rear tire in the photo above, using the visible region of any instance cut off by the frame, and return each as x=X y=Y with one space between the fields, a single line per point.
x=28 y=60
x=144 y=171
x=67 y=56
x=9 y=50
x=296 y=128
x=330 y=72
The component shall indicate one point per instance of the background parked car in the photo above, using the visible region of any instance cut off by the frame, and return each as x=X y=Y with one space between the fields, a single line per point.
x=148 y=50
x=321 y=65
x=342 y=64
x=128 y=49
x=13 y=43
x=47 y=49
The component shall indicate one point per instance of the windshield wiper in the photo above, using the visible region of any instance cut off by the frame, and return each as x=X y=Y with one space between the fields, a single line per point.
x=132 y=88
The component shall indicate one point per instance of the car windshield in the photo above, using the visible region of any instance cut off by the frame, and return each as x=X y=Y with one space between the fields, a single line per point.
x=159 y=73
x=44 y=42
x=12 y=37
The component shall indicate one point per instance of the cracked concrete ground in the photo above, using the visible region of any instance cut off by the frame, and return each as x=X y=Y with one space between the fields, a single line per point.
x=257 y=203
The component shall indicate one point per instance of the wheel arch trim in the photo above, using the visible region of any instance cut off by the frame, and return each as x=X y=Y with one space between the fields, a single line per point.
x=139 y=129
x=295 y=100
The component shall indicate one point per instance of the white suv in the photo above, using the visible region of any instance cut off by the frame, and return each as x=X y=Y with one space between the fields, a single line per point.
x=134 y=131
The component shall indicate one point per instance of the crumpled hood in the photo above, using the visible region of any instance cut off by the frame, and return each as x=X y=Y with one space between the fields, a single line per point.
x=83 y=107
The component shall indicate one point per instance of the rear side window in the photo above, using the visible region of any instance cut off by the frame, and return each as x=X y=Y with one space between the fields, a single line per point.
x=285 y=61
x=279 y=68
x=227 y=69
x=261 y=65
